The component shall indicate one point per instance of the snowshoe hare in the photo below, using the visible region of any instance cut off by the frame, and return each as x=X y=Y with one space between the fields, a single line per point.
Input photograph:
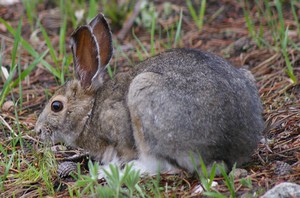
x=161 y=114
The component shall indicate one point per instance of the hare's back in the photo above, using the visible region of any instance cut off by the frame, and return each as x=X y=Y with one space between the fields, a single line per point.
x=195 y=77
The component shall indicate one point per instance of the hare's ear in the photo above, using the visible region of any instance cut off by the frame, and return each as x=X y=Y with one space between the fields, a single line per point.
x=85 y=55
x=103 y=36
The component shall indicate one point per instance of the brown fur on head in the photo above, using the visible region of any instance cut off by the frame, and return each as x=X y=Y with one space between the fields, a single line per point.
x=67 y=124
x=67 y=112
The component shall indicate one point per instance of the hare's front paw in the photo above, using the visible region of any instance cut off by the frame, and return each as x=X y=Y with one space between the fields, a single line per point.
x=146 y=165
x=150 y=165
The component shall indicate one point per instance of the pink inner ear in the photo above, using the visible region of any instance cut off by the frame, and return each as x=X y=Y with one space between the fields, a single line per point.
x=85 y=55
x=103 y=36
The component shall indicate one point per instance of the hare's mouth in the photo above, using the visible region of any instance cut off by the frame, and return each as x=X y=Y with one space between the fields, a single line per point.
x=46 y=135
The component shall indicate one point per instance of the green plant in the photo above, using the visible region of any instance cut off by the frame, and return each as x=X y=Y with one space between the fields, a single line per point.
x=290 y=70
x=93 y=9
x=148 y=15
x=119 y=183
x=117 y=11
x=229 y=179
x=25 y=173
x=247 y=182
x=295 y=15
x=130 y=178
x=250 y=24
x=61 y=60
x=141 y=46
x=10 y=83
x=178 y=31
x=206 y=175
x=31 y=12
x=198 y=18
x=28 y=48
x=272 y=16
x=151 y=185
x=174 y=36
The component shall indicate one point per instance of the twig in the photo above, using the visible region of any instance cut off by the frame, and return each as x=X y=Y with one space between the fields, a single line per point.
x=7 y=125
x=128 y=23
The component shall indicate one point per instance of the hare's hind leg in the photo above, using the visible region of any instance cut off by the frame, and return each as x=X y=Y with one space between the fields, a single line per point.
x=145 y=91
x=158 y=125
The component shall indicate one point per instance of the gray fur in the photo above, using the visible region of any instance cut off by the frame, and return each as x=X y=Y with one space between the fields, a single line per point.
x=193 y=101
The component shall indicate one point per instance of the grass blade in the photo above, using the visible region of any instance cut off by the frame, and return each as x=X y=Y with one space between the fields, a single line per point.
x=290 y=69
x=140 y=43
x=30 y=49
x=295 y=15
x=8 y=165
x=192 y=11
x=201 y=14
x=62 y=37
x=280 y=15
x=28 y=70
x=153 y=24
x=8 y=85
x=49 y=45
x=178 y=31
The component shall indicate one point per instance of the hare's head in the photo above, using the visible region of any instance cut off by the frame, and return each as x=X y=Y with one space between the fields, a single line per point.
x=67 y=112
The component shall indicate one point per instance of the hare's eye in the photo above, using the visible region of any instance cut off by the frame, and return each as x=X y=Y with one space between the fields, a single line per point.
x=57 y=106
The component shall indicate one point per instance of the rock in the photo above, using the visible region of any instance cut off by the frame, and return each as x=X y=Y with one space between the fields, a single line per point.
x=197 y=190
x=283 y=190
x=239 y=173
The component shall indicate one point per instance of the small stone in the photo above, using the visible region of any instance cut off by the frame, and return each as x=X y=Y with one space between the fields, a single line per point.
x=240 y=173
x=3 y=28
x=283 y=190
x=197 y=190
x=266 y=141
x=8 y=106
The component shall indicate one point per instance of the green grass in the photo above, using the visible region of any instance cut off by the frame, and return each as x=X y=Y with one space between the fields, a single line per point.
x=10 y=83
x=25 y=167
x=120 y=183
x=206 y=176
x=197 y=17
x=116 y=11
x=156 y=44
x=270 y=16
